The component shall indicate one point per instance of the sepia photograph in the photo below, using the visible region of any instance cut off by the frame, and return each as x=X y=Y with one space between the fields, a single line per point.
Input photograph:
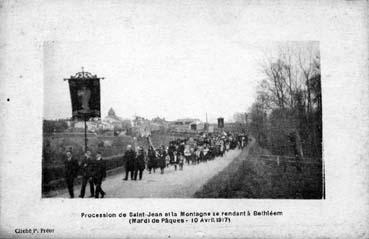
x=208 y=120
x=184 y=119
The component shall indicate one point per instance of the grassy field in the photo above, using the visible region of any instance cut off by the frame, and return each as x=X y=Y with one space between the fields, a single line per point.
x=255 y=178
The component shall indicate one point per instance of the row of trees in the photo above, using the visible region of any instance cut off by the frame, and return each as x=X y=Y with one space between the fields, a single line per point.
x=286 y=116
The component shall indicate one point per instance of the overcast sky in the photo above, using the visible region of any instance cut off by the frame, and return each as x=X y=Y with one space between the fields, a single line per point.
x=174 y=67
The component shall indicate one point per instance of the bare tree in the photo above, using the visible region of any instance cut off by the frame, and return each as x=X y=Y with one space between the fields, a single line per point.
x=291 y=89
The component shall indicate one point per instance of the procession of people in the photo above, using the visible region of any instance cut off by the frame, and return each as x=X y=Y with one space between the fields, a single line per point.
x=92 y=170
x=179 y=152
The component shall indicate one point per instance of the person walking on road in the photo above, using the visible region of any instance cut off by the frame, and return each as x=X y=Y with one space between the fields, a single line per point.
x=99 y=175
x=161 y=159
x=129 y=158
x=181 y=159
x=187 y=154
x=71 y=170
x=152 y=162
x=87 y=174
x=140 y=163
x=171 y=152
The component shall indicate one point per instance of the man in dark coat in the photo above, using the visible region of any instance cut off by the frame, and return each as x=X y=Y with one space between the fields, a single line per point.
x=99 y=174
x=71 y=170
x=140 y=163
x=171 y=152
x=152 y=162
x=161 y=159
x=87 y=174
x=130 y=160
x=181 y=148
x=211 y=153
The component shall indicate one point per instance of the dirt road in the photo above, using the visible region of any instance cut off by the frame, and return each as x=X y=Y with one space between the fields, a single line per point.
x=171 y=184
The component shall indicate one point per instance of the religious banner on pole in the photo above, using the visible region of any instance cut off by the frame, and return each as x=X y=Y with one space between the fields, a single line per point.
x=85 y=95
x=221 y=123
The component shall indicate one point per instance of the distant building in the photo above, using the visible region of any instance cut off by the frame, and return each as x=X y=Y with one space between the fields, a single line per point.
x=113 y=121
x=110 y=122
x=140 y=121
x=186 y=125
x=91 y=125
x=197 y=125
x=141 y=126
x=159 y=120
x=185 y=121
x=107 y=126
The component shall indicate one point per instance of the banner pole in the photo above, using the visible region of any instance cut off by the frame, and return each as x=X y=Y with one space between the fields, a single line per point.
x=85 y=91
x=85 y=132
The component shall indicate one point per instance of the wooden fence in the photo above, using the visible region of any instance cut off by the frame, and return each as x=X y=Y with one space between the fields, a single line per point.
x=289 y=159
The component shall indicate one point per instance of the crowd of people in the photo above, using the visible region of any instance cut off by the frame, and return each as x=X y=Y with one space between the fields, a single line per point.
x=190 y=151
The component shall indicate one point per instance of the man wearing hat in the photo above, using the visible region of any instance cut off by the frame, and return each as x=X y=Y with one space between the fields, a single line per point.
x=140 y=163
x=87 y=174
x=129 y=158
x=99 y=174
x=71 y=170
x=152 y=162
x=161 y=158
